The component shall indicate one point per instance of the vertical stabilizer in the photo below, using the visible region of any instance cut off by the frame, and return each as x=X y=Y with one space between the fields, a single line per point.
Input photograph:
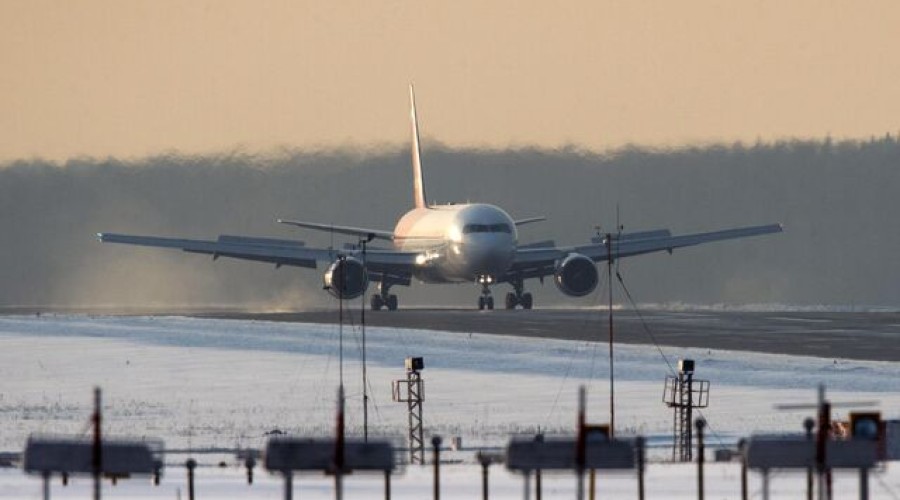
x=418 y=183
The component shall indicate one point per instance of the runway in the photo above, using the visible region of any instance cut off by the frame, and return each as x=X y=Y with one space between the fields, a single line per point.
x=871 y=336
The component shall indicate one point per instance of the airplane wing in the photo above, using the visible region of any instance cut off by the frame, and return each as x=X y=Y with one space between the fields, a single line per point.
x=397 y=265
x=536 y=262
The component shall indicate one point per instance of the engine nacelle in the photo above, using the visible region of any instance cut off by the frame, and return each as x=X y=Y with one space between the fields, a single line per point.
x=576 y=275
x=346 y=278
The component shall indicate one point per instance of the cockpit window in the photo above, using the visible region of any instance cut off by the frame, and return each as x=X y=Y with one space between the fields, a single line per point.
x=486 y=228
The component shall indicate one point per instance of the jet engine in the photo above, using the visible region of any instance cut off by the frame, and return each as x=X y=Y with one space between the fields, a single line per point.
x=346 y=278
x=576 y=275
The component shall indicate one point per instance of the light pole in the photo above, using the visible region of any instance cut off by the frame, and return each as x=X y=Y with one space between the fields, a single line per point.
x=363 y=241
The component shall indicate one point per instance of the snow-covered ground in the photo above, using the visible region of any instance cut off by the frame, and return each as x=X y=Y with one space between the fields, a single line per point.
x=198 y=383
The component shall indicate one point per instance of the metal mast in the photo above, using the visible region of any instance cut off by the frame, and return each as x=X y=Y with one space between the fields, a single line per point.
x=414 y=397
x=683 y=393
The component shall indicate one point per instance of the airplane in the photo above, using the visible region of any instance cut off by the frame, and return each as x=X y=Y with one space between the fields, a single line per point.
x=453 y=243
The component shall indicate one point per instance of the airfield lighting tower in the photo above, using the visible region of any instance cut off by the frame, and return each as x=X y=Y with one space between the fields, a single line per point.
x=414 y=397
x=683 y=393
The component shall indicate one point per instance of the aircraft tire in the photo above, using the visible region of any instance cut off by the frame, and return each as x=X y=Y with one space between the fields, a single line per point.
x=481 y=303
x=377 y=302
x=527 y=301
x=511 y=300
x=490 y=303
x=392 y=302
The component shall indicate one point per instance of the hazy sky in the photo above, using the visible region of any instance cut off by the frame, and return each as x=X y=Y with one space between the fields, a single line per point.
x=130 y=78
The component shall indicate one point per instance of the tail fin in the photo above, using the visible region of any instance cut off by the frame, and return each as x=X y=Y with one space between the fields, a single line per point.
x=418 y=183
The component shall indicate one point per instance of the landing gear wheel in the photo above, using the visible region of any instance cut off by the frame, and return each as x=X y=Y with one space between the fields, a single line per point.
x=481 y=303
x=377 y=302
x=489 y=302
x=511 y=300
x=527 y=301
x=392 y=302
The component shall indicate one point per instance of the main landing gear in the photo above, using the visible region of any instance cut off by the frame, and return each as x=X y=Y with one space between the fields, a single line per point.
x=384 y=299
x=518 y=297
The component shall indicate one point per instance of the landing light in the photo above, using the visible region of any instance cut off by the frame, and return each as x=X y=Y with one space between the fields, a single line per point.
x=455 y=234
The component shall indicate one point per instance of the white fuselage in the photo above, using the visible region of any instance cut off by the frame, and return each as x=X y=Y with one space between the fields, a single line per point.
x=458 y=243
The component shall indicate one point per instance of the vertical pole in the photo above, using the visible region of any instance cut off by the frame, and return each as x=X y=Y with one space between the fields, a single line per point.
x=191 y=464
x=46 y=488
x=387 y=485
x=689 y=408
x=341 y=289
x=580 y=446
x=701 y=424
x=339 y=448
x=436 y=443
x=538 y=487
x=742 y=445
x=612 y=371
x=97 y=452
x=527 y=493
x=808 y=425
x=821 y=441
x=592 y=484
x=485 y=462
x=250 y=463
x=765 y=487
x=363 y=327
x=639 y=444
x=288 y=485
x=863 y=484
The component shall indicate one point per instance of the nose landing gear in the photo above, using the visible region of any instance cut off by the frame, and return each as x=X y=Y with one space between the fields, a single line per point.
x=486 y=300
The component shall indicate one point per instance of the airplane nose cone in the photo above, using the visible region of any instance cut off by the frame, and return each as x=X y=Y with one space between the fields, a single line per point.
x=488 y=256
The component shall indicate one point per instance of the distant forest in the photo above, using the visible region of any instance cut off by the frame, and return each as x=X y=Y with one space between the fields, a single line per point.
x=838 y=201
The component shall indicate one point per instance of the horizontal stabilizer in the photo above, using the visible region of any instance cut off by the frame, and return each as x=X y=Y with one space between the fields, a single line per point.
x=539 y=244
x=529 y=220
x=360 y=232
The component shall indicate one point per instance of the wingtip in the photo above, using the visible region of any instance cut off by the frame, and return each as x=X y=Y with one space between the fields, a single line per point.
x=99 y=236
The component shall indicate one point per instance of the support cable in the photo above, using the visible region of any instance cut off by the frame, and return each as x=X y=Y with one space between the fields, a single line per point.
x=672 y=371
x=571 y=362
x=886 y=486
x=356 y=337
